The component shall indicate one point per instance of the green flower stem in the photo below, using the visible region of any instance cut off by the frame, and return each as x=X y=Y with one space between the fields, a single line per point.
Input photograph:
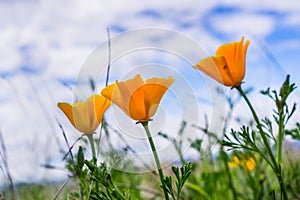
x=279 y=150
x=91 y=140
x=276 y=168
x=280 y=136
x=262 y=133
x=156 y=158
x=94 y=159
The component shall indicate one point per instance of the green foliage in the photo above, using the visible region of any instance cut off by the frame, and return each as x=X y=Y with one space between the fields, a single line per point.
x=101 y=175
x=181 y=175
x=36 y=191
x=196 y=144
x=295 y=132
x=280 y=99
x=245 y=139
x=95 y=182
x=262 y=143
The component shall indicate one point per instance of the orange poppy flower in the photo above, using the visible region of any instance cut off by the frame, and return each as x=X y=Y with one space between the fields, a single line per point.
x=228 y=66
x=138 y=99
x=86 y=116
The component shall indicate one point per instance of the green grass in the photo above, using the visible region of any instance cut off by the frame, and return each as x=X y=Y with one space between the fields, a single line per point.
x=209 y=180
x=36 y=191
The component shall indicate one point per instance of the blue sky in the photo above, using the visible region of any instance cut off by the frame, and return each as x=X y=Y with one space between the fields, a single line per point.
x=45 y=45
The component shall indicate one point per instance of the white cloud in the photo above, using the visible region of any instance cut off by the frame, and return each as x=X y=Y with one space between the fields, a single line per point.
x=293 y=19
x=9 y=52
x=267 y=5
x=240 y=24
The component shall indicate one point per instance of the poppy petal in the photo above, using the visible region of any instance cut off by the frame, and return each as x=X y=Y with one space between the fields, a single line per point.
x=216 y=68
x=131 y=104
x=67 y=109
x=81 y=117
x=136 y=105
x=154 y=89
x=235 y=54
x=100 y=105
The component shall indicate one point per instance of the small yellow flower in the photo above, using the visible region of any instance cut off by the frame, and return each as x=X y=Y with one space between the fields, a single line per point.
x=138 y=99
x=248 y=163
x=86 y=116
x=228 y=66
x=235 y=163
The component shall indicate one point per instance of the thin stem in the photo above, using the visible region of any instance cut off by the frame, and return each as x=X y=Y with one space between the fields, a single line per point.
x=276 y=167
x=280 y=136
x=156 y=158
x=91 y=140
x=259 y=126
x=178 y=149
x=279 y=150
x=94 y=159
x=60 y=189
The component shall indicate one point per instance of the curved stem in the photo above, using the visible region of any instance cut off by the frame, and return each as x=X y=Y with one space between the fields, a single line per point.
x=259 y=126
x=275 y=166
x=156 y=158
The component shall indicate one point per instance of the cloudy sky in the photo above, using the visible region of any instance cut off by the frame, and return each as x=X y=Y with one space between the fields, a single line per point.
x=50 y=49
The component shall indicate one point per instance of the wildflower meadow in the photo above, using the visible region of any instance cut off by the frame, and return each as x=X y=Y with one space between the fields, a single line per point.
x=247 y=162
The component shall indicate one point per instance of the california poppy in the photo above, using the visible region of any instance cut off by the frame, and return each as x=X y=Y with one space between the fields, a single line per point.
x=86 y=116
x=138 y=99
x=228 y=66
